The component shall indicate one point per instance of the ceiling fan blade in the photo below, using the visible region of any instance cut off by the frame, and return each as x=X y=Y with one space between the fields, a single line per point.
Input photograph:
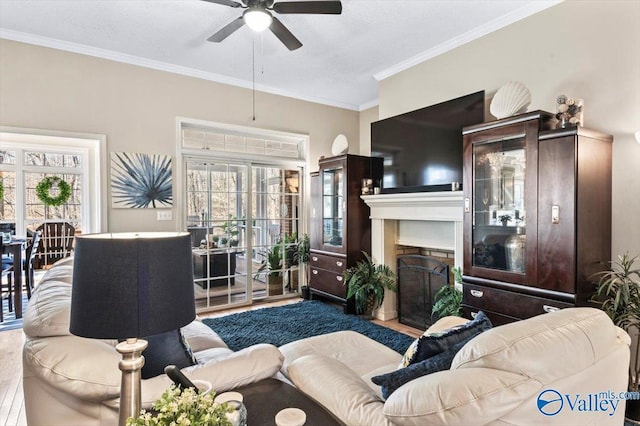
x=227 y=30
x=285 y=36
x=230 y=3
x=319 y=7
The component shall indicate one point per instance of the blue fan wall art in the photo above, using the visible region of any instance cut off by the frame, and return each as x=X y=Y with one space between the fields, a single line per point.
x=140 y=181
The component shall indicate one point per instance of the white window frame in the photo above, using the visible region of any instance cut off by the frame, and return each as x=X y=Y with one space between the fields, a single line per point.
x=93 y=149
x=182 y=154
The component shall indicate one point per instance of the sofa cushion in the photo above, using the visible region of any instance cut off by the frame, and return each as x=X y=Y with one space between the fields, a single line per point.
x=442 y=361
x=164 y=349
x=432 y=343
x=349 y=347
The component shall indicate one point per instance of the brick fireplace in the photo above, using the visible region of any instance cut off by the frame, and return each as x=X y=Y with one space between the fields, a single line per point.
x=430 y=221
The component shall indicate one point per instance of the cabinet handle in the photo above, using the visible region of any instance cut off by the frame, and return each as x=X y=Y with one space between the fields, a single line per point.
x=314 y=271
x=548 y=308
x=339 y=278
x=474 y=314
x=338 y=263
x=314 y=258
x=477 y=293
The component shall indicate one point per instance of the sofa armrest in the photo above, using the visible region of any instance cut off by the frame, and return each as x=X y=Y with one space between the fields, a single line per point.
x=237 y=369
x=476 y=396
x=338 y=388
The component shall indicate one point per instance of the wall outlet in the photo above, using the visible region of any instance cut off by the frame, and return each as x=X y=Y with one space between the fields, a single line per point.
x=164 y=215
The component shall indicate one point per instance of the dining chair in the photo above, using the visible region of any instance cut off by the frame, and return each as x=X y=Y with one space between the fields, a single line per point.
x=27 y=267
x=56 y=242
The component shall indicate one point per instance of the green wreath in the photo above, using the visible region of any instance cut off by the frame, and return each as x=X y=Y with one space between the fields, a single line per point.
x=43 y=191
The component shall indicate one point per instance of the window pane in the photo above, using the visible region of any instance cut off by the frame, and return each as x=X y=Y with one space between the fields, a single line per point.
x=37 y=211
x=8 y=202
x=7 y=157
x=48 y=159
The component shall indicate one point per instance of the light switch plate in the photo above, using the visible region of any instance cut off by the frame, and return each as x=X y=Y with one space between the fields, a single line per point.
x=164 y=215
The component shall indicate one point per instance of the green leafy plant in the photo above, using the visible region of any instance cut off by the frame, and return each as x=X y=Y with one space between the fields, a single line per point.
x=448 y=300
x=231 y=230
x=272 y=263
x=366 y=283
x=184 y=407
x=303 y=248
x=618 y=291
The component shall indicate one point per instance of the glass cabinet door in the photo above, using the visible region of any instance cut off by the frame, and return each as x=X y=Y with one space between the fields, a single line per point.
x=332 y=206
x=499 y=210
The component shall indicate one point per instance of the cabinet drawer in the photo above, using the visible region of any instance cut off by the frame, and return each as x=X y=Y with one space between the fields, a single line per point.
x=328 y=282
x=508 y=302
x=495 y=318
x=329 y=263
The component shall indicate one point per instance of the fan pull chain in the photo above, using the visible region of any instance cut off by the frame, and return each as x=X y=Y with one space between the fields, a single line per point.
x=253 y=73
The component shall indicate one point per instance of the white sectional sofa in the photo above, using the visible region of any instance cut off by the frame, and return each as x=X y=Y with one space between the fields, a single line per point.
x=495 y=379
x=71 y=380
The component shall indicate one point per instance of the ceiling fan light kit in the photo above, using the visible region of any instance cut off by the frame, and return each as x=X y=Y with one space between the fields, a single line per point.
x=258 y=17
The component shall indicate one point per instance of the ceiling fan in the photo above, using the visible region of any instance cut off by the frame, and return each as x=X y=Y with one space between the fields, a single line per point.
x=258 y=17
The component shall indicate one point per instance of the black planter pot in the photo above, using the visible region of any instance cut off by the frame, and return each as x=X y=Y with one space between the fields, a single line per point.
x=633 y=410
x=305 y=293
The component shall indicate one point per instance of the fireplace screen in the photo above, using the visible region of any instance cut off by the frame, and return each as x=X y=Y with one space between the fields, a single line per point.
x=419 y=279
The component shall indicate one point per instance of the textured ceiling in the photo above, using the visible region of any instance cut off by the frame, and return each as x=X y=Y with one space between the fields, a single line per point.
x=341 y=56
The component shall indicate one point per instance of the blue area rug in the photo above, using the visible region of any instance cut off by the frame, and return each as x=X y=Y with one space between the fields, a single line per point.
x=284 y=324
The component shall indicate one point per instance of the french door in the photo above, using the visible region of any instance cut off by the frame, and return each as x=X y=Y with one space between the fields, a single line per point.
x=244 y=220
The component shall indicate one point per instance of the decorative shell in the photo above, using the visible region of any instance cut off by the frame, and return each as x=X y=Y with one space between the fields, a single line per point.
x=510 y=99
x=340 y=145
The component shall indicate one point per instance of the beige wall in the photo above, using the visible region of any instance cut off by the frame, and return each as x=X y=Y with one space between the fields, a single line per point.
x=583 y=49
x=367 y=117
x=137 y=108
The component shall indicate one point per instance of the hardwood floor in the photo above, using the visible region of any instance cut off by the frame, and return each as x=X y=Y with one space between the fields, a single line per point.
x=11 y=395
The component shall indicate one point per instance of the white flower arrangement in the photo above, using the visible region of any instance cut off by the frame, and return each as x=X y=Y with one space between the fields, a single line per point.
x=184 y=407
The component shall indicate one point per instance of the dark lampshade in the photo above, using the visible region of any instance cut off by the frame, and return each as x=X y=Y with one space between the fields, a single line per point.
x=131 y=284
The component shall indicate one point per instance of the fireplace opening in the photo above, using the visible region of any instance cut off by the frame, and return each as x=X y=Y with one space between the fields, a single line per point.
x=419 y=279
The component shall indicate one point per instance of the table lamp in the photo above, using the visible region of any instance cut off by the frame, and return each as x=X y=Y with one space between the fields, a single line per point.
x=131 y=285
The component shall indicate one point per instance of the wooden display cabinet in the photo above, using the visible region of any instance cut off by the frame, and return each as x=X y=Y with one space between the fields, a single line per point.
x=537 y=220
x=341 y=227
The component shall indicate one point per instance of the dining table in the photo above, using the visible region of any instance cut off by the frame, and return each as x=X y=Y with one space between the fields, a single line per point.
x=15 y=248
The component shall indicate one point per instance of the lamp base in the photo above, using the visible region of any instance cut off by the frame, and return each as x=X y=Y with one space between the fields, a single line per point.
x=130 y=365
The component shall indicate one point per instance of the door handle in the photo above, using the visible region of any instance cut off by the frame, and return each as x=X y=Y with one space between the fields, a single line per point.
x=314 y=271
x=339 y=263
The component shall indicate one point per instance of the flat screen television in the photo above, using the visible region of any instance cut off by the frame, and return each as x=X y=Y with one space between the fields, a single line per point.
x=422 y=149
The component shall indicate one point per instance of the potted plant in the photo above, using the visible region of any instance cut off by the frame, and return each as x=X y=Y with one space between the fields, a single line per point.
x=177 y=405
x=618 y=291
x=272 y=267
x=366 y=283
x=448 y=300
x=302 y=258
x=231 y=231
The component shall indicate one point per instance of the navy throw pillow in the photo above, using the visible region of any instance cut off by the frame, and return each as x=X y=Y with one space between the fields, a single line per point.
x=434 y=352
x=165 y=349
x=433 y=344
x=391 y=381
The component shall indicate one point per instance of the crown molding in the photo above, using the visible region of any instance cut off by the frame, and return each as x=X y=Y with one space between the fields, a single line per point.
x=493 y=25
x=372 y=103
x=161 y=66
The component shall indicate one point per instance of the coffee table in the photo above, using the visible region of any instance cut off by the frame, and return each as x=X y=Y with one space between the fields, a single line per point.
x=264 y=399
